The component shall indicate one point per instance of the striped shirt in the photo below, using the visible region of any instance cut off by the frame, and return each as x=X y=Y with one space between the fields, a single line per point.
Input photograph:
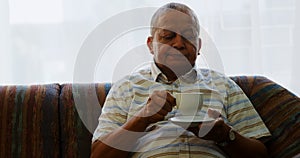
x=165 y=139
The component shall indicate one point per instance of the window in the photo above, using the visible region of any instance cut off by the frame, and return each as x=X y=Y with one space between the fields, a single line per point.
x=35 y=11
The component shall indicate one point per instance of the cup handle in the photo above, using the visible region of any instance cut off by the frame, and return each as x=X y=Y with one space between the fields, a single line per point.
x=173 y=94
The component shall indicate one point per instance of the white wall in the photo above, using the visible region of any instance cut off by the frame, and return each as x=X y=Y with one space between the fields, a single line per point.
x=295 y=83
x=5 y=56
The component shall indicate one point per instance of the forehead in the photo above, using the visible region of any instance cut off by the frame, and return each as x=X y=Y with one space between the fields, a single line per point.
x=174 y=20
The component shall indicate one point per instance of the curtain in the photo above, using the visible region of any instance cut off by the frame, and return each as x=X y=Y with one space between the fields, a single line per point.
x=44 y=41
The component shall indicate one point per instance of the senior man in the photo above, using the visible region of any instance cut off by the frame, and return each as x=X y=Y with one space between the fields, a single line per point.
x=134 y=120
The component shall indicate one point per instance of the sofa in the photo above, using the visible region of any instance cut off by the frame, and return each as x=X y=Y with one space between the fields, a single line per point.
x=47 y=120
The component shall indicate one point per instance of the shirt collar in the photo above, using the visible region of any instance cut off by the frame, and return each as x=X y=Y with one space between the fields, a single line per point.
x=158 y=76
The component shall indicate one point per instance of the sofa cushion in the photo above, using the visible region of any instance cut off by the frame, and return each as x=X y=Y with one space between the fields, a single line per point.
x=280 y=110
x=29 y=121
x=80 y=108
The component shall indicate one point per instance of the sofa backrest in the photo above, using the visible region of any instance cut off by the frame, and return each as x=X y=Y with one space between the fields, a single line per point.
x=29 y=121
x=80 y=108
x=280 y=110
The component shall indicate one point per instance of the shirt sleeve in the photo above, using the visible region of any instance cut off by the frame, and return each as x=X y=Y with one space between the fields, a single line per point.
x=242 y=115
x=115 y=110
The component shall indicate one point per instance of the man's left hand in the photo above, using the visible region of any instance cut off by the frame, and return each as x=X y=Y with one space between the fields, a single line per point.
x=216 y=130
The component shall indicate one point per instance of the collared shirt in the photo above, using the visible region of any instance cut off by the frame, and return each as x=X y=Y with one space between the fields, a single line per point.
x=158 y=76
x=164 y=138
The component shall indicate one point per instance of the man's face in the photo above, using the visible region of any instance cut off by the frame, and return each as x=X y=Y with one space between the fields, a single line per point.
x=175 y=43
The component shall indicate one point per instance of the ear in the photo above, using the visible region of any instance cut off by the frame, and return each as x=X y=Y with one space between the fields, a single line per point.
x=199 y=45
x=150 y=44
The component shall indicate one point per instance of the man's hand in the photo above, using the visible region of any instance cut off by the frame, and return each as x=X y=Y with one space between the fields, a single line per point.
x=158 y=106
x=216 y=130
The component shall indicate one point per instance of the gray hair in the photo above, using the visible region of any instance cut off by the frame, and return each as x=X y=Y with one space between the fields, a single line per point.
x=178 y=7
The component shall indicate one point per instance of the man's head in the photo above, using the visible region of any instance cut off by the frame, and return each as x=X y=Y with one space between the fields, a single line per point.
x=174 y=40
x=175 y=7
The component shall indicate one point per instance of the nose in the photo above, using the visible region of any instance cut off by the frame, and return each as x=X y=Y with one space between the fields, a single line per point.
x=178 y=42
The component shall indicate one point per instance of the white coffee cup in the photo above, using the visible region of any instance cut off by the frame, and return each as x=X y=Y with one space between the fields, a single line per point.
x=189 y=104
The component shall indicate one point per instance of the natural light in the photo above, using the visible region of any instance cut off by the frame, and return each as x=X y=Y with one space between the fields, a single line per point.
x=41 y=39
x=35 y=11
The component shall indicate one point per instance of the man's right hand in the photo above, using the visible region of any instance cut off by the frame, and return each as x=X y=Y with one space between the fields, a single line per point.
x=159 y=104
x=157 y=107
